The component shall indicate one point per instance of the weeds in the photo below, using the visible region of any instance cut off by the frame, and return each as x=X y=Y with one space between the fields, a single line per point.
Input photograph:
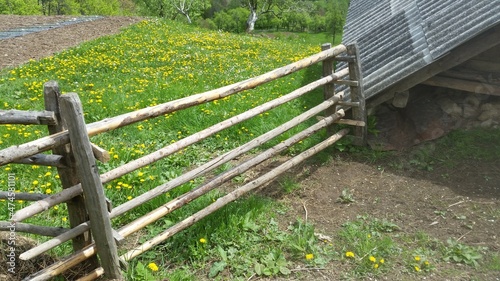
x=346 y=197
x=460 y=253
x=288 y=184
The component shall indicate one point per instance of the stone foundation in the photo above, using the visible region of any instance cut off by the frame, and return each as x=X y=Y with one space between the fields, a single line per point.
x=430 y=113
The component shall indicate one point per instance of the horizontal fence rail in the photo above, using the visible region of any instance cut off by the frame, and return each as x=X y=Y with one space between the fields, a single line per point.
x=86 y=180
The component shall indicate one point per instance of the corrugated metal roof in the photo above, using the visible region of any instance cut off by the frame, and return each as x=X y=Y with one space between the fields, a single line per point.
x=398 y=37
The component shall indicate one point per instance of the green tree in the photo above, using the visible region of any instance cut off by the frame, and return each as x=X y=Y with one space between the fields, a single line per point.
x=233 y=20
x=20 y=7
x=336 y=14
x=188 y=8
x=258 y=8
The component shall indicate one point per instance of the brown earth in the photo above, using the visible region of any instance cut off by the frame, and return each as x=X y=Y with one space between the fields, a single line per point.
x=459 y=200
x=19 y=50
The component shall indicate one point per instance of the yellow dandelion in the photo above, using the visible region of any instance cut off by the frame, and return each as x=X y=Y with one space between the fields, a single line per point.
x=203 y=240
x=417 y=258
x=381 y=261
x=375 y=266
x=153 y=266
x=35 y=182
x=417 y=269
x=129 y=197
x=309 y=257
x=372 y=259
x=115 y=156
x=48 y=191
x=349 y=254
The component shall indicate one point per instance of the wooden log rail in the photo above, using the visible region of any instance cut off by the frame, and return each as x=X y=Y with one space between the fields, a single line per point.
x=27 y=117
x=91 y=182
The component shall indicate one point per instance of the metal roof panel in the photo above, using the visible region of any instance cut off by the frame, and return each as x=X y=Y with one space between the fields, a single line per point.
x=398 y=37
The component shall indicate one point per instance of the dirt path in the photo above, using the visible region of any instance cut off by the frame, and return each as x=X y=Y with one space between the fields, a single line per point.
x=19 y=50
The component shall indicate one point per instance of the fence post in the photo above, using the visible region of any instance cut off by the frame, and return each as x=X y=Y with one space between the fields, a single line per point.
x=357 y=95
x=76 y=206
x=95 y=200
x=328 y=89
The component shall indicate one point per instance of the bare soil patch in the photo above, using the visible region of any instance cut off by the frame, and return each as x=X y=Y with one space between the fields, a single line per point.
x=20 y=50
x=459 y=200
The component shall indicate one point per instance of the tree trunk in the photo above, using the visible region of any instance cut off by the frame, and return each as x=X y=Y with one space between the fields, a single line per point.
x=252 y=18
x=187 y=17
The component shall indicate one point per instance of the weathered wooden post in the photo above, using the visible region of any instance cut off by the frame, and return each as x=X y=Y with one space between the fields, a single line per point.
x=357 y=94
x=95 y=200
x=328 y=89
x=76 y=207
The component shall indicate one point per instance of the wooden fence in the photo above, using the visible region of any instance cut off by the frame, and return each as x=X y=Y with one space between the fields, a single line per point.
x=90 y=212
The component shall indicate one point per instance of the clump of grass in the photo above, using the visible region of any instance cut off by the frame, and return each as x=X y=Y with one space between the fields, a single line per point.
x=461 y=253
x=366 y=247
x=346 y=197
x=289 y=184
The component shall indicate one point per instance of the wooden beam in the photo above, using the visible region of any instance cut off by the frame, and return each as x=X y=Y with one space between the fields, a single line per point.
x=44 y=160
x=348 y=83
x=23 y=196
x=100 y=154
x=95 y=200
x=345 y=58
x=328 y=89
x=460 y=54
x=348 y=103
x=28 y=117
x=33 y=229
x=68 y=176
x=463 y=85
x=468 y=74
x=483 y=66
x=351 y=122
x=357 y=95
